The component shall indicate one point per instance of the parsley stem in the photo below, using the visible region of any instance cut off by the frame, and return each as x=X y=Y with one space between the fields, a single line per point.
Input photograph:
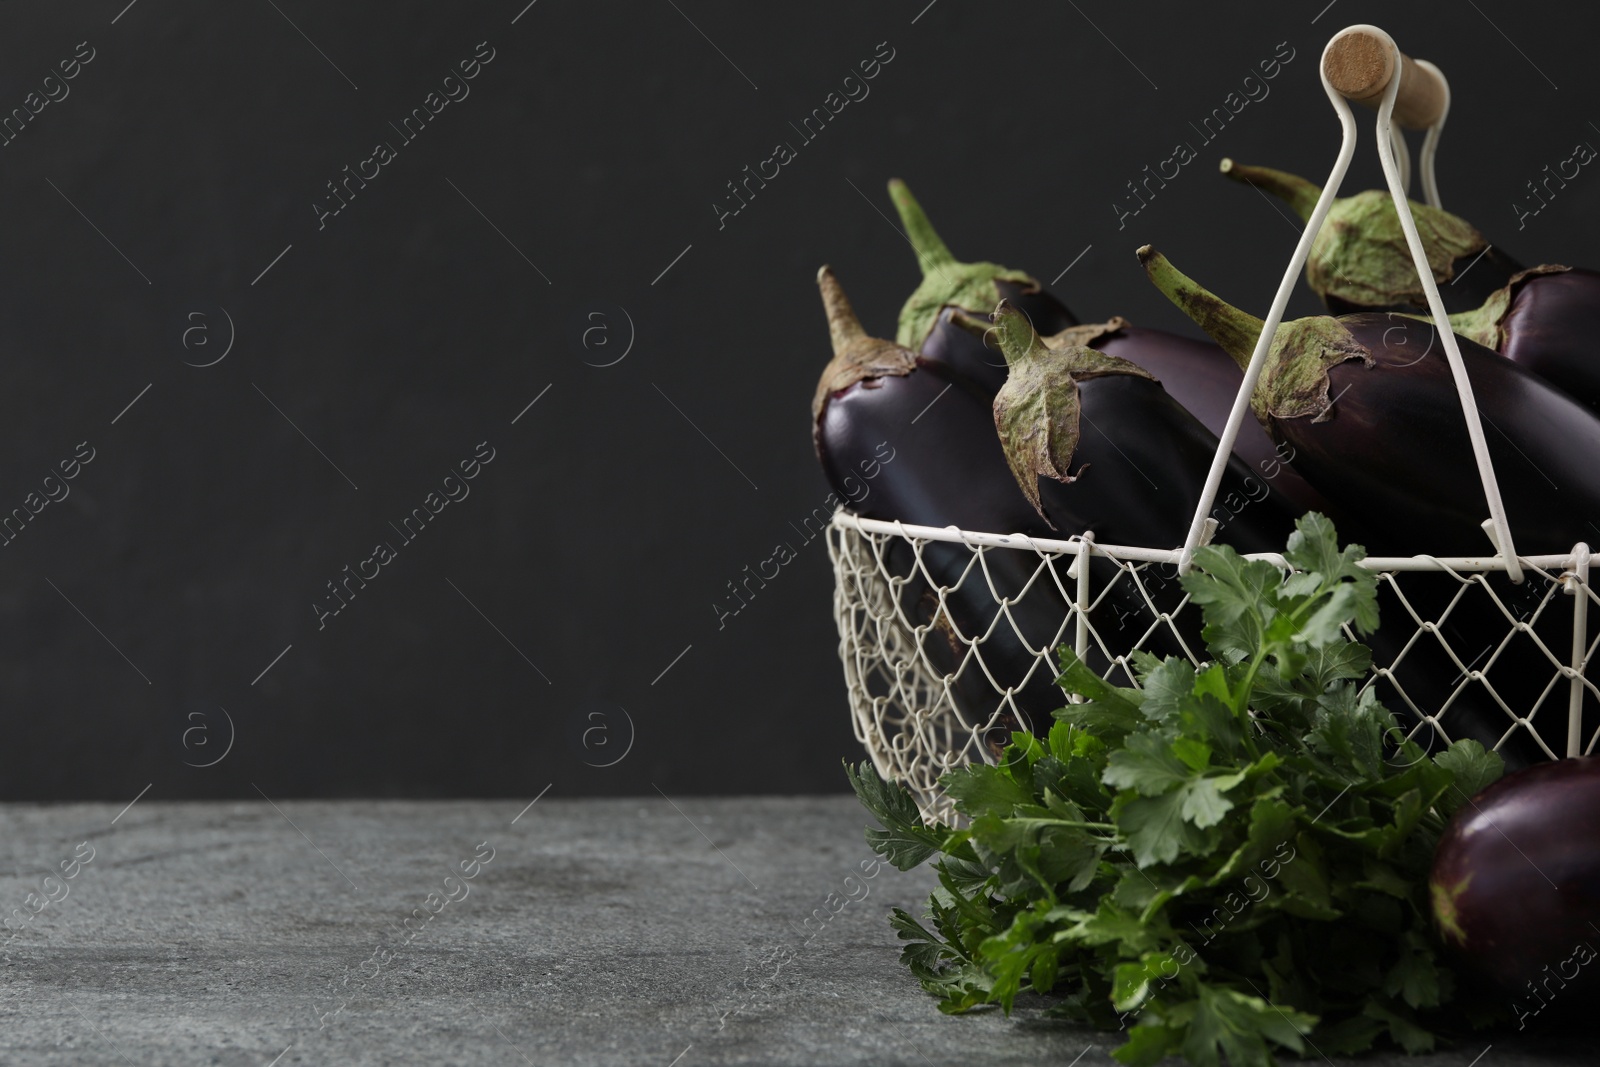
x=1242 y=703
x=1068 y=823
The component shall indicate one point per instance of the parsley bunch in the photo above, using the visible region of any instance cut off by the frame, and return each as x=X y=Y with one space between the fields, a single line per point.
x=1222 y=861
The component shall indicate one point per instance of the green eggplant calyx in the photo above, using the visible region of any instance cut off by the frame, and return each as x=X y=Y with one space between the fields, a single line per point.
x=1299 y=194
x=1485 y=324
x=1084 y=334
x=857 y=356
x=1294 y=380
x=1036 y=411
x=1018 y=340
x=945 y=279
x=1294 y=384
x=1361 y=255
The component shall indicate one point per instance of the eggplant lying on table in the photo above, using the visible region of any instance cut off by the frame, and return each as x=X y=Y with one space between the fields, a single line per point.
x=1515 y=887
x=1546 y=319
x=946 y=318
x=1376 y=423
x=1361 y=261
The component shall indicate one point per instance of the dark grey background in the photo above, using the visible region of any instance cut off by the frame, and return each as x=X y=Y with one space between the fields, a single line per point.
x=191 y=550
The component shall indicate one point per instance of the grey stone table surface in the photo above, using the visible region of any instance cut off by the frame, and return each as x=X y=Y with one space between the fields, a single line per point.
x=648 y=931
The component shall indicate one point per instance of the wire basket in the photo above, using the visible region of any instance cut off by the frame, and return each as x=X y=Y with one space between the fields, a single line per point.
x=948 y=637
x=1465 y=653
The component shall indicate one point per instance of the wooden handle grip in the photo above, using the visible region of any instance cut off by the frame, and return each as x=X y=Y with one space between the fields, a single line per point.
x=1359 y=64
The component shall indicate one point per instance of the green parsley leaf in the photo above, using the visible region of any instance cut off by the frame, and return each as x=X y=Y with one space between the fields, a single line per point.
x=1155 y=827
x=981 y=789
x=904 y=841
x=1146 y=764
x=1472 y=767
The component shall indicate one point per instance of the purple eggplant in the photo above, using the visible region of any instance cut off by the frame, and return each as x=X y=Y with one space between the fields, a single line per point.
x=1361 y=261
x=1373 y=415
x=1516 y=888
x=938 y=322
x=1096 y=443
x=1546 y=319
x=949 y=286
x=1202 y=378
x=878 y=399
x=875 y=392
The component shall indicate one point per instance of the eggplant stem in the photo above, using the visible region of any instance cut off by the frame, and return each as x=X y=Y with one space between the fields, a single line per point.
x=1300 y=194
x=1018 y=339
x=1236 y=331
x=843 y=324
x=932 y=252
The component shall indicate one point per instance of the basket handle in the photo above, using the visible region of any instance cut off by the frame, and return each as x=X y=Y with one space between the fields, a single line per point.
x=1360 y=63
x=1497 y=526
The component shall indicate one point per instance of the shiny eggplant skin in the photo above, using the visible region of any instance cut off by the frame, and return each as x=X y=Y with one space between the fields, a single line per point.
x=940 y=422
x=1396 y=451
x=1201 y=377
x=1141 y=463
x=1137 y=462
x=1395 y=445
x=1198 y=374
x=1553 y=329
x=948 y=469
x=1516 y=888
x=1151 y=436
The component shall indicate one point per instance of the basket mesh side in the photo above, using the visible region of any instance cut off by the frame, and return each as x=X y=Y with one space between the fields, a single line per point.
x=948 y=647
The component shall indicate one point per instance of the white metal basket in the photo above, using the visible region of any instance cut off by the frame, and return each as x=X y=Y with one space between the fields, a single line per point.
x=919 y=719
